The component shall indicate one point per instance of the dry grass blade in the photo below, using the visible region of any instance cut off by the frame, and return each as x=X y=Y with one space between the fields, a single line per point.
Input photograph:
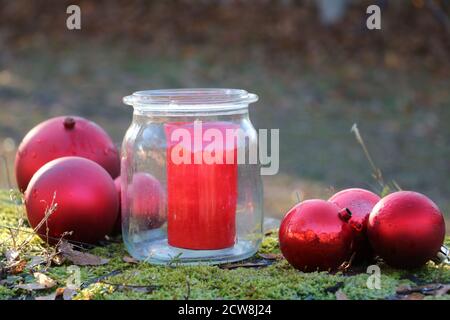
x=375 y=171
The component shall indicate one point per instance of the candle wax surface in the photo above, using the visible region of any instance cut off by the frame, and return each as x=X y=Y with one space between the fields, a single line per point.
x=201 y=197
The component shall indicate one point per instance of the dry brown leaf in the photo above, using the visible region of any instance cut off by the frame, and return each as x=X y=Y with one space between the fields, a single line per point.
x=428 y=289
x=442 y=291
x=35 y=261
x=129 y=259
x=17 y=267
x=51 y=296
x=414 y=296
x=42 y=281
x=58 y=259
x=271 y=256
x=11 y=255
x=80 y=258
x=340 y=295
x=69 y=293
x=258 y=264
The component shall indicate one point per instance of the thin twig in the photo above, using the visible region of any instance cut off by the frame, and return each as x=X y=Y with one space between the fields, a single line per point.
x=48 y=212
x=99 y=279
x=78 y=244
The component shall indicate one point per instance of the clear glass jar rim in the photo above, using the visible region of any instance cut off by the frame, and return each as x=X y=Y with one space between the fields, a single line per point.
x=195 y=99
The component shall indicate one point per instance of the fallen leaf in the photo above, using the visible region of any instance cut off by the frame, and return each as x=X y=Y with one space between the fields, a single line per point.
x=442 y=291
x=10 y=280
x=129 y=259
x=41 y=282
x=17 y=267
x=414 y=296
x=69 y=293
x=35 y=261
x=340 y=295
x=54 y=295
x=271 y=256
x=58 y=259
x=424 y=289
x=257 y=264
x=44 y=280
x=80 y=258
x=11 y=255
x=51 y=296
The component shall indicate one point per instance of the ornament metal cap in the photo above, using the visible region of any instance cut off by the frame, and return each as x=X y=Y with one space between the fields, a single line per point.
x=443 y=256
x=345 y=214
x=69 y=123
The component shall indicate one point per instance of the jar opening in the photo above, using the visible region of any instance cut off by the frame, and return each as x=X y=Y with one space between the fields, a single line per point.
x=186 y=100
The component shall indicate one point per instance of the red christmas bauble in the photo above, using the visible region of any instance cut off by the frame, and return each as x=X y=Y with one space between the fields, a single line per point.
x=118 y=225
x=315 y=235
x=360 y=202
x=61 y=137
x=146 y=198
x=85 y=195
x=406 y=229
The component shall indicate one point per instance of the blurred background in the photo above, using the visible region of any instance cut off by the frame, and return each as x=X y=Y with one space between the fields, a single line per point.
x=314 y=64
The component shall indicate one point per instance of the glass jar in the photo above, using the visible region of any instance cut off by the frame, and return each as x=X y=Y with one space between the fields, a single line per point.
x=191 y=190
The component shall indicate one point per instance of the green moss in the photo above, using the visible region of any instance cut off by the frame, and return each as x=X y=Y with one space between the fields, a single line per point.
x=144 y=281
x=6 y=293
x=270 y=243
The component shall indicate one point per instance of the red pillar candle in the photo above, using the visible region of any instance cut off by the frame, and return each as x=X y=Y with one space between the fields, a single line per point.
x=201 y=195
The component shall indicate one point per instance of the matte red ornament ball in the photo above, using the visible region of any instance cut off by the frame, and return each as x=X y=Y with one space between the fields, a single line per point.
x=146 y=199
x=360 y=202
x=86 y=199
x=118 y=225
x=61 y=137
x=315 y=235
x=406 y=229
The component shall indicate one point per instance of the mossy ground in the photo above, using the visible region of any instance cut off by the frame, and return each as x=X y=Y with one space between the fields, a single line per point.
x=278 y=280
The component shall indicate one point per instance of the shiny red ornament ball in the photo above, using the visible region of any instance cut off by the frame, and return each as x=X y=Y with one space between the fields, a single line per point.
x=360 y=202
x=87 y=202
x=315 y=235
x=146 y=198
x=60 y=137
x=406 y=229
